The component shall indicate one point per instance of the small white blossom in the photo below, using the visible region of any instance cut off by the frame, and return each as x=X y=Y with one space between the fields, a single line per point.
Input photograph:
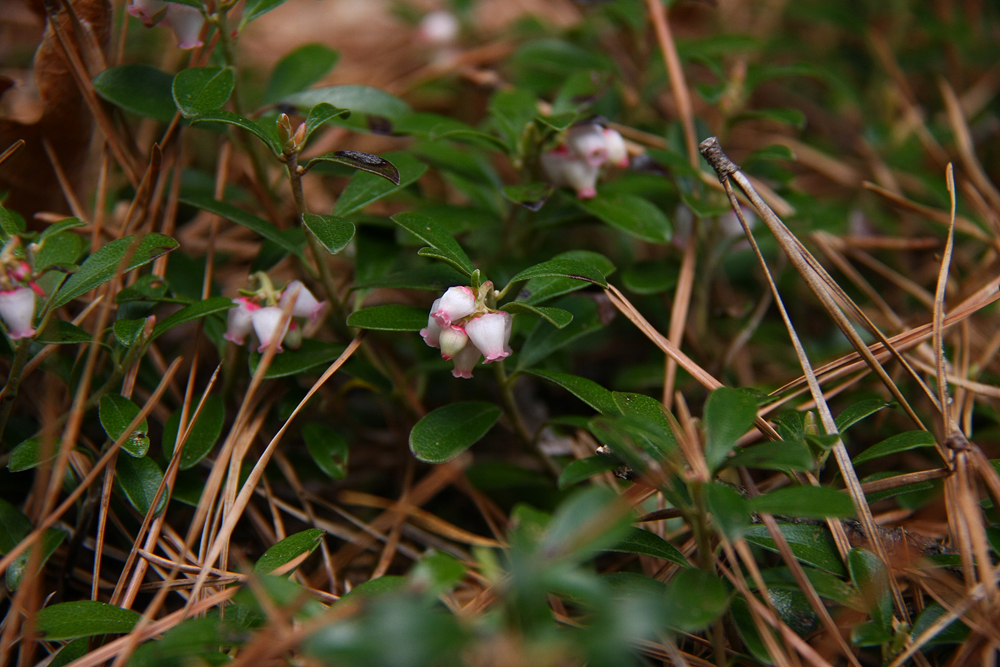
x=440 y=27
x=432 y=332
x=239 y=322
x=615 y=145
x=566 y=170
x=453 y=340
x=306 y=304
x=265 y=324
x=17 y=309
x=186 y=23
x=491 y=334
x=587 y=143
x=456 y=303
x=465 y=361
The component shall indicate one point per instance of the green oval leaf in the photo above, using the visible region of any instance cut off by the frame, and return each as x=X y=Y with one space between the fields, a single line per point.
x=299 y=69
x=60 y=251
x=83 y=618
x=60 y=332
x=428 y=231
x=103 y=265
x=531 y=196
x=140 y=89
x=323 y=113
x=901 y=442
x=810 y=543
x=729 y=413
x=116 y=413
x=327 y=448
x=139 y=480
x=450 y=430
x=783 y=455
x=586 y=390
x=813 y=502
x=200 y=89
x=365 y=187
x=858 y=411
x=333 y=232
x=729 y=510
x=871 y=578
x=651 y=277
x=359 y=99
x=229 y=118
x=288 y=550
x=195 y=311
x=557 y=317
x=563 y=268
x=26 y=456
x=373 y=164
x=545 y=339
x=204 y=434
x=631 y=214
x=539 y=290
x=645 y=543
x=583 y=469
x=694 y=599
x=51 y=539
x=389 y=317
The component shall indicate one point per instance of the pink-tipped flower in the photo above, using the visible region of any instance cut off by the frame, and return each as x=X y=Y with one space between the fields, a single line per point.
x=306 y=304
x=440 y=27
x=265 y=325
x=456 y=303
x=453 y=340
x=564 y=169
x=150 y=12
x=615 y=145
x=587 y=142
x=17 y=309
x=465 y=361
x=239 y=323
x=186 y=22
x=432 y=332
x=491 y=333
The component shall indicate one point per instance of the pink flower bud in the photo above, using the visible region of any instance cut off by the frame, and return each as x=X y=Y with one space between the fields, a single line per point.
x=432 y=332
x=150 y=12
x=587 y=142
x=615 y=145
x=453 y=340
x=17 y=309
x=456 y=303
x=465 y=361
x=186 y=23
x=306 y=304
x=239 y=321
x=564 y=169
x=491 y=334
x=265 y=325
x=20 y=271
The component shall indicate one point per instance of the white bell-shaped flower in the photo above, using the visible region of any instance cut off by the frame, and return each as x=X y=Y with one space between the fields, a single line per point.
x=453 y=340
x=439 y=27
x=239 y=322
x=465 y=361
x=563 y=169
x=186 y=23
x=615 y=145
x=491 y=334
x=587 y=143
x=266 y=323
x=150 y=12
x=306 y=304
x=432 y=332
x=17 y=309
x=456 y=303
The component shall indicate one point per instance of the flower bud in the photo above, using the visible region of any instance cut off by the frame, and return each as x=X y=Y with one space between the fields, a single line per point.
x=491 y=334
x=239 y=322
x=284 y=128
x=432 y=332
x=587 y=143
x=306 y=304
x=293 y=338
x=298 y=141
x=615 y=145
x=265 y=324
x=17 y=310
x=453 y=340
x=465 y=361
x=456 y=303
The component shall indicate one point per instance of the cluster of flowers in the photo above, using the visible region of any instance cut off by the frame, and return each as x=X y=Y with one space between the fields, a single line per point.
x=261 y=314
x=577 y=161
x=184 y=20
x=17 y=300
x=465 y=328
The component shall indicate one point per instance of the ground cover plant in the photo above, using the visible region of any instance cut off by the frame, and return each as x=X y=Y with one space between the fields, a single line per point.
x=541 y=333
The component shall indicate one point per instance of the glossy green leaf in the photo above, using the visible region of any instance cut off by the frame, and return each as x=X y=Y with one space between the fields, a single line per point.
x=644 y=419
x=631 y=214
x=196 y=311
x=531 y=196
x=230 y=118
x=645 y=543
x=60 y=250
x=743 y=620
x=435 y=277
x=140 y=89
x=74 y=650
x=545 y=339
x=14 y=526
x=783 y=455
x=811 y=543
x=955 y=632
x=327 y=448
x=139 y=480
x=813 y=502
x=61 y=332
x=83 y=618
x=589 y=522
x=288 y=550
x=58 y=227
x=557 y=317
x=103 y=265
x=902 y=442
x=196 y=641
x=389 y=317
x=869 y=634
x=312 y=354
x=204 y=434
x=116 y=413
x=241 y=217
x=359 y=99
x=28 y=455
x=435 y=127
x=200 y=89
x=450 y=430
x=729 y=413
x=539 y=290
x=254 y=9
x=652 y=277
x=586 y=390
x=563 y=268
x=366 y=187
x=373 y=164
x=511 y=111
x=127 y=332
x=855 y=413
x=299 y=69
x=695 y=598
x=728 y=509
x=826 y=585
x=583 y=469
x=51 y=539
x=333 y=232
x=321 y=114
x=430 y=232
x=871 y=578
